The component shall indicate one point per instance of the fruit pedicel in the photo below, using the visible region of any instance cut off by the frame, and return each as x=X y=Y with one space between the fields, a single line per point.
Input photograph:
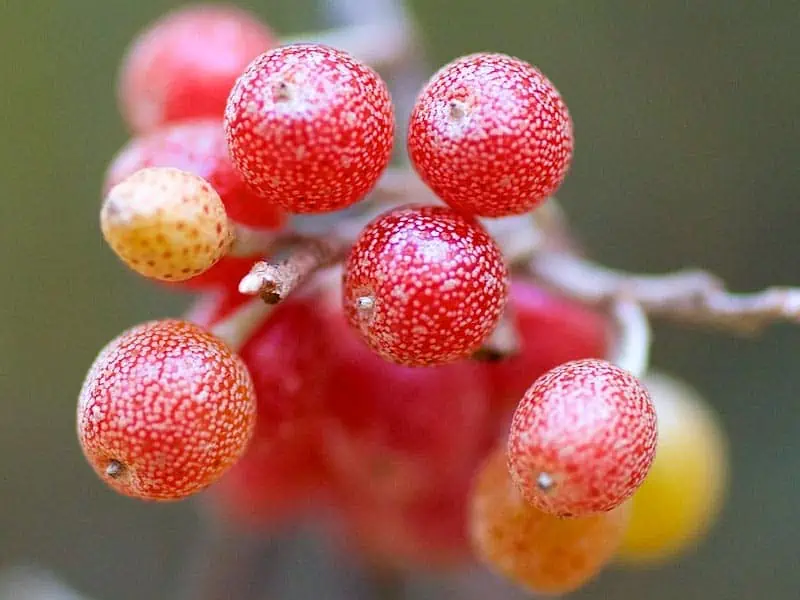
x=437 y=364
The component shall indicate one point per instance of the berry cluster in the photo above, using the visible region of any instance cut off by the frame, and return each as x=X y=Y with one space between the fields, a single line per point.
x=360 y=389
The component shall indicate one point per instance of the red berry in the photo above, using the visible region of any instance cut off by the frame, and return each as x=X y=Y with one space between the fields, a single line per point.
x=184 y=65
x=491 y=135
x=552 y=330
x=396 y=433
x=197 y=147
x=282 y=471
x=165 y=410
x=310 y=127
x=582 y=439
x=425 y=285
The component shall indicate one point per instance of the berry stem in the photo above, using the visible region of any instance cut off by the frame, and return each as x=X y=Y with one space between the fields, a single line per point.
x=631 y=347
x=252 y=241
x=236 y=329
x=273 y=282
x=691 y=296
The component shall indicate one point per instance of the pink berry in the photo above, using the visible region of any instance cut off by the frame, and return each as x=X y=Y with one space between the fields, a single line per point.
x=310 y=127
x=582 y=439
x=425 y=285
x=552 y=330
x=490 y=135
x=184 y=65
x=198 y=147
x=165 y=410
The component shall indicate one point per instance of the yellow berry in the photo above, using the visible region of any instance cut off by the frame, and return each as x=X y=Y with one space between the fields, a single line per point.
x=166 y=224
x=541 y=552
x=686 y=486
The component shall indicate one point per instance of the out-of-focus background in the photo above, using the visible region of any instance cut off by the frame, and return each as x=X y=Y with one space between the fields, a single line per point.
x=687 y=143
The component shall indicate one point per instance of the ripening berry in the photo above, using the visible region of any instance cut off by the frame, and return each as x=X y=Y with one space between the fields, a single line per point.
x=685 y=489
x=582 y=439
x=184 y=65
x=198 y=147
x=282 y=473
x=552 y=330
x=310 y=127
x=490 y=135
x=166 y=224
x=541 y=552
x=165 y=410
x=425 y=285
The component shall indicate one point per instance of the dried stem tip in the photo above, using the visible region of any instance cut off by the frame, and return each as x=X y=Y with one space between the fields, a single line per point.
x=275 y=281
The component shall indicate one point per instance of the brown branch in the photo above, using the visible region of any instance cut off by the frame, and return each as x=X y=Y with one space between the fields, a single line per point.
x=690 y=296
x=273 y=282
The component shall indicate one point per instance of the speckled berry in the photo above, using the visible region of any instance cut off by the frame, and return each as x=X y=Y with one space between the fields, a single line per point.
x=198 y=147
x=310 y=127
x=582 y=439
x=184 y=65
x=424 y=285
x=541 y=552
x=165 y=410
x=491 y=135
x=166 y=224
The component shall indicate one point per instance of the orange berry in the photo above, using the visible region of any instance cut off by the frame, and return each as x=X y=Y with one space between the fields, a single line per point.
x=166 y=224
x=538 y=551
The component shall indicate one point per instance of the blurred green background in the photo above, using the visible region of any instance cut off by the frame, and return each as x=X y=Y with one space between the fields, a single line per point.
x=687 y=142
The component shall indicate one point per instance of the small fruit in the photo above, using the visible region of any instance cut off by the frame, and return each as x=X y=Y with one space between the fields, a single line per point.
x=198 y=147
x=582 y=439
x=552 y=330
x=166 y=224
x=541 y=552
x=424 y=285
x=685 y=489
x=165 y=410
x=184 y=65
x=310 y=128
x=490 y=135
x=283 y=472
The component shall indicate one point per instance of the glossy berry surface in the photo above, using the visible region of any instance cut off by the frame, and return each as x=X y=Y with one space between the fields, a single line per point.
x=184 y=65
x=552 y=330
x=166 y=224
x=165 y=410
x=491 y=135
x=686 y=487
x=282 y=473
x=310 y=127
x=541 y=552
x=582 y=439
x=198 y=147
x=424 y=285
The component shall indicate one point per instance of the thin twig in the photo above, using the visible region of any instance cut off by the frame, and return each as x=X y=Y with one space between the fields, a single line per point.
x=236 y=328
x=273 y=282
x=631 y=347
x=691 y=296
x=252 y=241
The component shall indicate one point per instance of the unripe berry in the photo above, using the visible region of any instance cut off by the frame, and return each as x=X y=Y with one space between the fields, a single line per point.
x=582 y=439
x=166 y=224
x=198 y=147
x=685 y=489
x=310 y=128
x=184 y=65
x=425 y=285
x=491 y=135
x=541 y=552
x=165 y=410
